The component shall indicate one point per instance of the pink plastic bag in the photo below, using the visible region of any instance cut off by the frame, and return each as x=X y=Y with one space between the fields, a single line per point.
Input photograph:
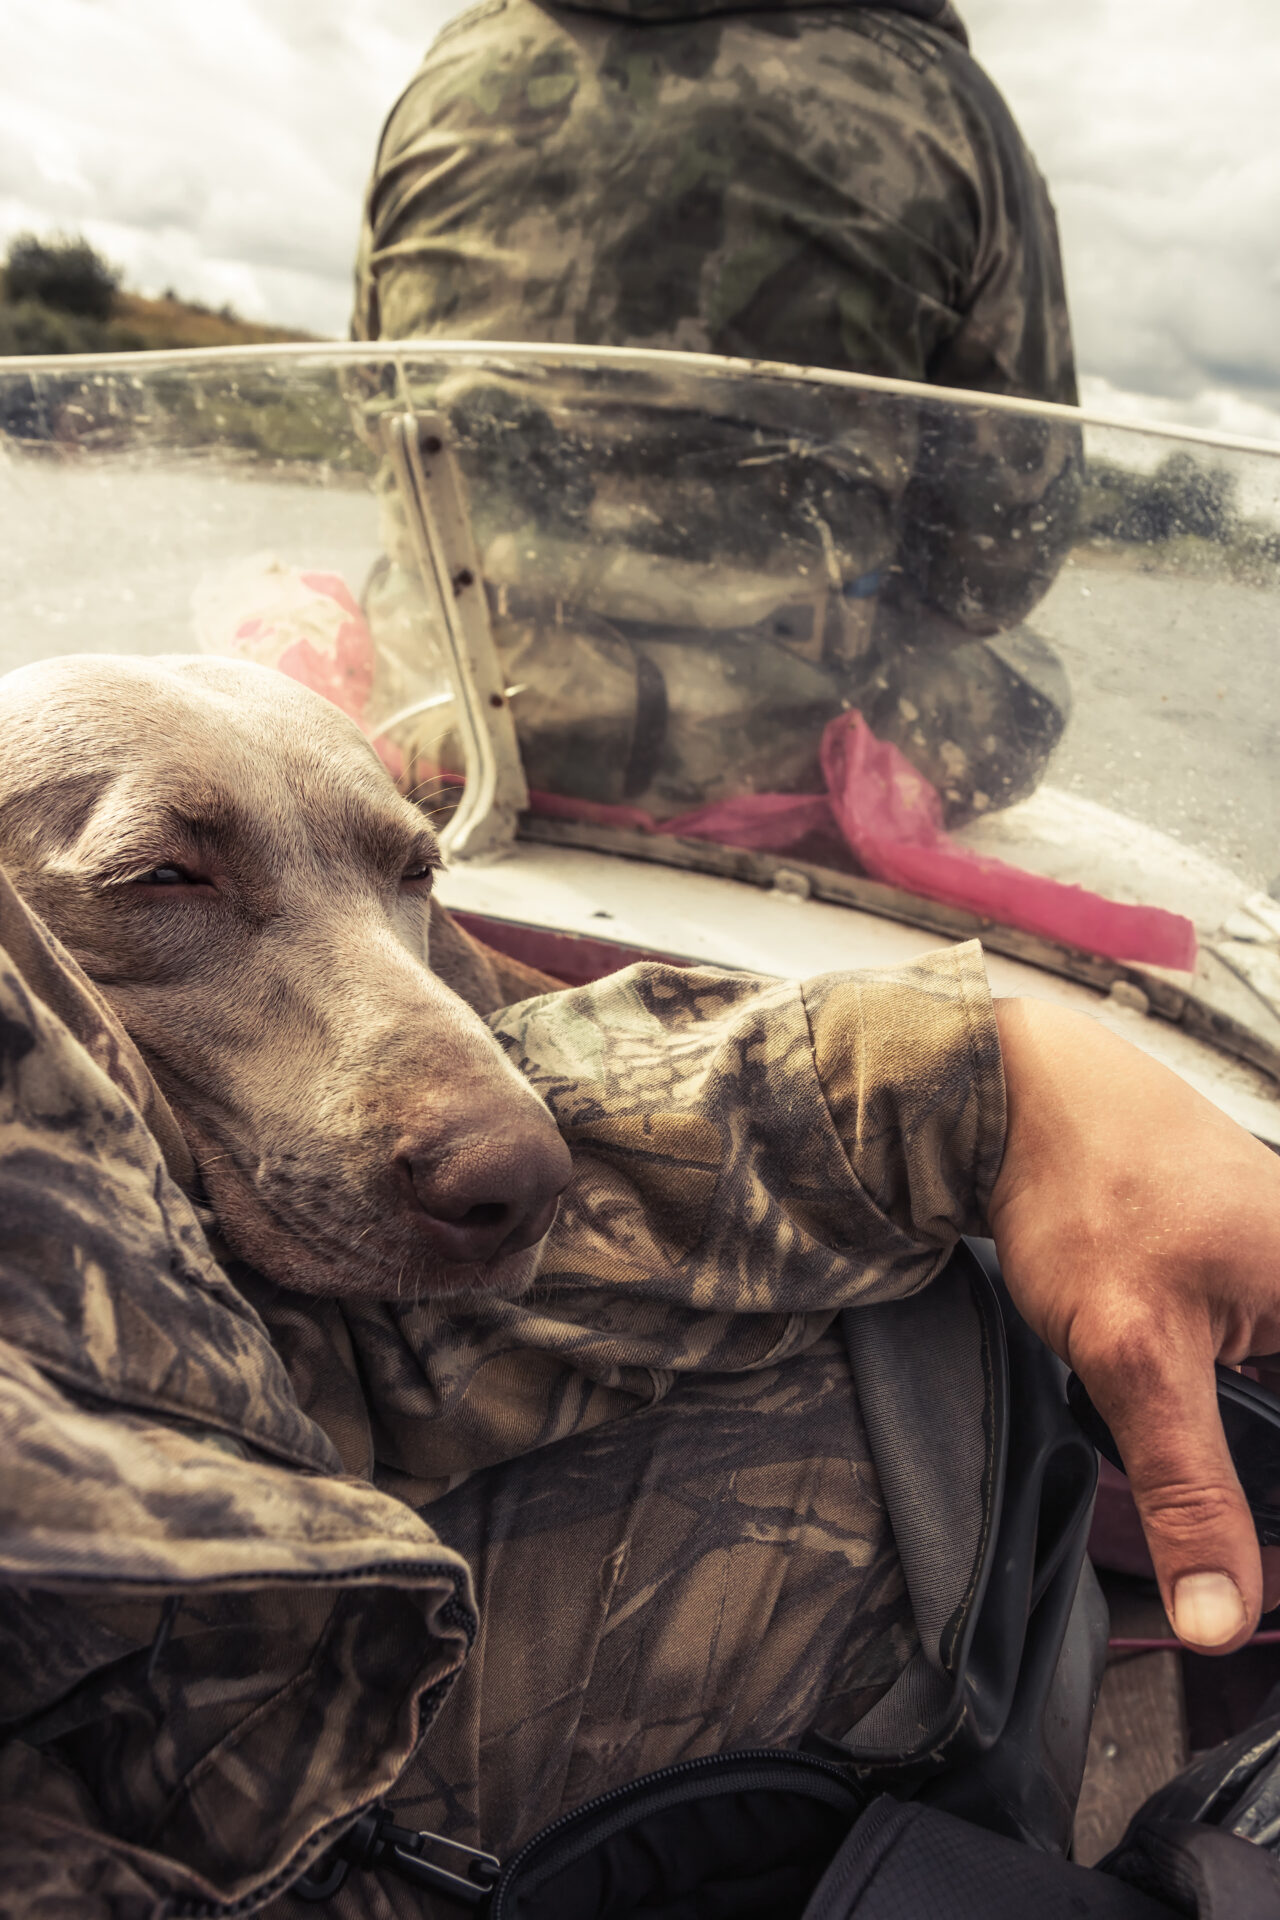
x=343 y=672
x=305 y=624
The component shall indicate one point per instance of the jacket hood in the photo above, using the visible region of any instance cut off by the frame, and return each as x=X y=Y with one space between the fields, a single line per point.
x=939 y=12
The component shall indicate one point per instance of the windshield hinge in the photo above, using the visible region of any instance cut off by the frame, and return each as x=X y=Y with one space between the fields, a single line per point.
x=434 y=498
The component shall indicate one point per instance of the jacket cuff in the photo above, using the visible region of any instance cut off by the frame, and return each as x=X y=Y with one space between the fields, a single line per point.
x=909 y=1063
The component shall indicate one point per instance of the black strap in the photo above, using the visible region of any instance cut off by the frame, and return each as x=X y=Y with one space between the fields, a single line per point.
x=650 y=735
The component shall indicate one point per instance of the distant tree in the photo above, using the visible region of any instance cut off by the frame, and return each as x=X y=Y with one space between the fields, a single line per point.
x=1182 y=496
x=64 y=273
x=1200 y=500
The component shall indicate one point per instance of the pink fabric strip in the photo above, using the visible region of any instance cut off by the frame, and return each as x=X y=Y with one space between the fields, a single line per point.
x=887 y=814
x=891 y=819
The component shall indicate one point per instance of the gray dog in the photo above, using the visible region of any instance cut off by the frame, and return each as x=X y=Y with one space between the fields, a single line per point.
x=225 y=855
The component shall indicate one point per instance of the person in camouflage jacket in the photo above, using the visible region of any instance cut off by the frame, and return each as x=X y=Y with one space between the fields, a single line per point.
x=246 y=1531
x=266 y=1556
x=838 y=186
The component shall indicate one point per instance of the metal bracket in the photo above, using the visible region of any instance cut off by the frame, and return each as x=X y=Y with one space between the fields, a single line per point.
x=431 y=488
x=375 y=1842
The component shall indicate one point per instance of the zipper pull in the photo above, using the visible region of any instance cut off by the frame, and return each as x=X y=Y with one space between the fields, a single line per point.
x=404 y=1857
x=375 y=1841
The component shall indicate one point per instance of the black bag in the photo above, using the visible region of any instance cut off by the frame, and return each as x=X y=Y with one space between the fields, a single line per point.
x=734 y=1836
x=766 y=1835
x=908 y=1862
x=744 y=1837
x=737 y=1836
x=989 y=1484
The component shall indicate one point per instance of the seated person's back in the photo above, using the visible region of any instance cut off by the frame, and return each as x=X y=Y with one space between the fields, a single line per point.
x=839 y=187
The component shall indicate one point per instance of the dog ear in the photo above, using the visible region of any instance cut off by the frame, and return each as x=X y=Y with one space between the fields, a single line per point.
x=485 y=979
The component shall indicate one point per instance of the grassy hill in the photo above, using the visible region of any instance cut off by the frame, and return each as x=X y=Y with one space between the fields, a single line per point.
x=135 y=325
x=170 y=322
x=59 y=296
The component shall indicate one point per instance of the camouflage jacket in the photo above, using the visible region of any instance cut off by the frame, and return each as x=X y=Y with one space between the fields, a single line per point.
x=222 y=1634
x=834 y=186
x=213 y=1646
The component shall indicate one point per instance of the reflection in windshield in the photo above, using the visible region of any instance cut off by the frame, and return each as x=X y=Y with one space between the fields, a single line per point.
x=959 y=648
x=756 y=570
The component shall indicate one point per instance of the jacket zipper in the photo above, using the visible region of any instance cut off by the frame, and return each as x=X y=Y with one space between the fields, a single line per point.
x=757 y=1767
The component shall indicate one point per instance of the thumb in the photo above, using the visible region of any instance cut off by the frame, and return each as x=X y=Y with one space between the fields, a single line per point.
x=1163 y=1414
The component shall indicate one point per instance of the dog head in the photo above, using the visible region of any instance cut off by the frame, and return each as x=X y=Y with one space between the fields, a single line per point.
x=225 y=855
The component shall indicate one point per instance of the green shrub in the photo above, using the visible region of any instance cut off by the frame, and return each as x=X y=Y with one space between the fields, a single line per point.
x=29 y=326
x=63 y=273
x=1181 y=497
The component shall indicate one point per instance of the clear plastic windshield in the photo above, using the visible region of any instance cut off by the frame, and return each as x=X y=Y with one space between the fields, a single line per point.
x=973 y=662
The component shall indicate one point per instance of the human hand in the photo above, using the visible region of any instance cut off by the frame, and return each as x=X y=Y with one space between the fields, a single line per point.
x=1139 y=1233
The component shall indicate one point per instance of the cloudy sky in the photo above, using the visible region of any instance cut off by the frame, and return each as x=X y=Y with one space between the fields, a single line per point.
x=221 y=147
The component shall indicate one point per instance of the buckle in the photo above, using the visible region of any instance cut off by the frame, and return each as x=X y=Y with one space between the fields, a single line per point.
x=375 y=1841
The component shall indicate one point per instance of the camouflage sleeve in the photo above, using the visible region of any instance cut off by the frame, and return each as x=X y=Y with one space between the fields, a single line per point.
x=759 y=1147
x=750 y=1157
x=990 y=513
x=909 y=1065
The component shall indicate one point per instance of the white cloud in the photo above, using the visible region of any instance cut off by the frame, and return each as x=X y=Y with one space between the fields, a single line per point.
x=1154 y=121
x=1211 y=410
x=224 y=149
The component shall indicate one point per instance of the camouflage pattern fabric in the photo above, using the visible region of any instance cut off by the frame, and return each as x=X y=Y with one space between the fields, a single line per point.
x=830 y=186
x=239 y=1522
x=655 y=1463
x=212 y=1647
x=836 y=187
x=716 y=1571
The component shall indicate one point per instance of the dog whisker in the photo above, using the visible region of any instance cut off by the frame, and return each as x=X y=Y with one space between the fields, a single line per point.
x=431 y=790
x=433 y=807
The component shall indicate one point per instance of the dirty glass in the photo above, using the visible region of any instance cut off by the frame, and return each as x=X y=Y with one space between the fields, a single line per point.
x=994 y=658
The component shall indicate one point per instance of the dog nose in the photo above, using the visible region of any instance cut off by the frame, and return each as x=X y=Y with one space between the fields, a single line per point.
x=490 y=1194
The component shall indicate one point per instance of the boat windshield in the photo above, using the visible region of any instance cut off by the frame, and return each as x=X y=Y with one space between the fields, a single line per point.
x=971 y=663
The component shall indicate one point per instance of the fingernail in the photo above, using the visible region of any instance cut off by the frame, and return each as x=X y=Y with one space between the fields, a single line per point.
x=1207 y=1609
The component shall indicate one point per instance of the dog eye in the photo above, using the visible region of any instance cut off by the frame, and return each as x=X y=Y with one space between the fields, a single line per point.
x=168 y=877
x=418 y=876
